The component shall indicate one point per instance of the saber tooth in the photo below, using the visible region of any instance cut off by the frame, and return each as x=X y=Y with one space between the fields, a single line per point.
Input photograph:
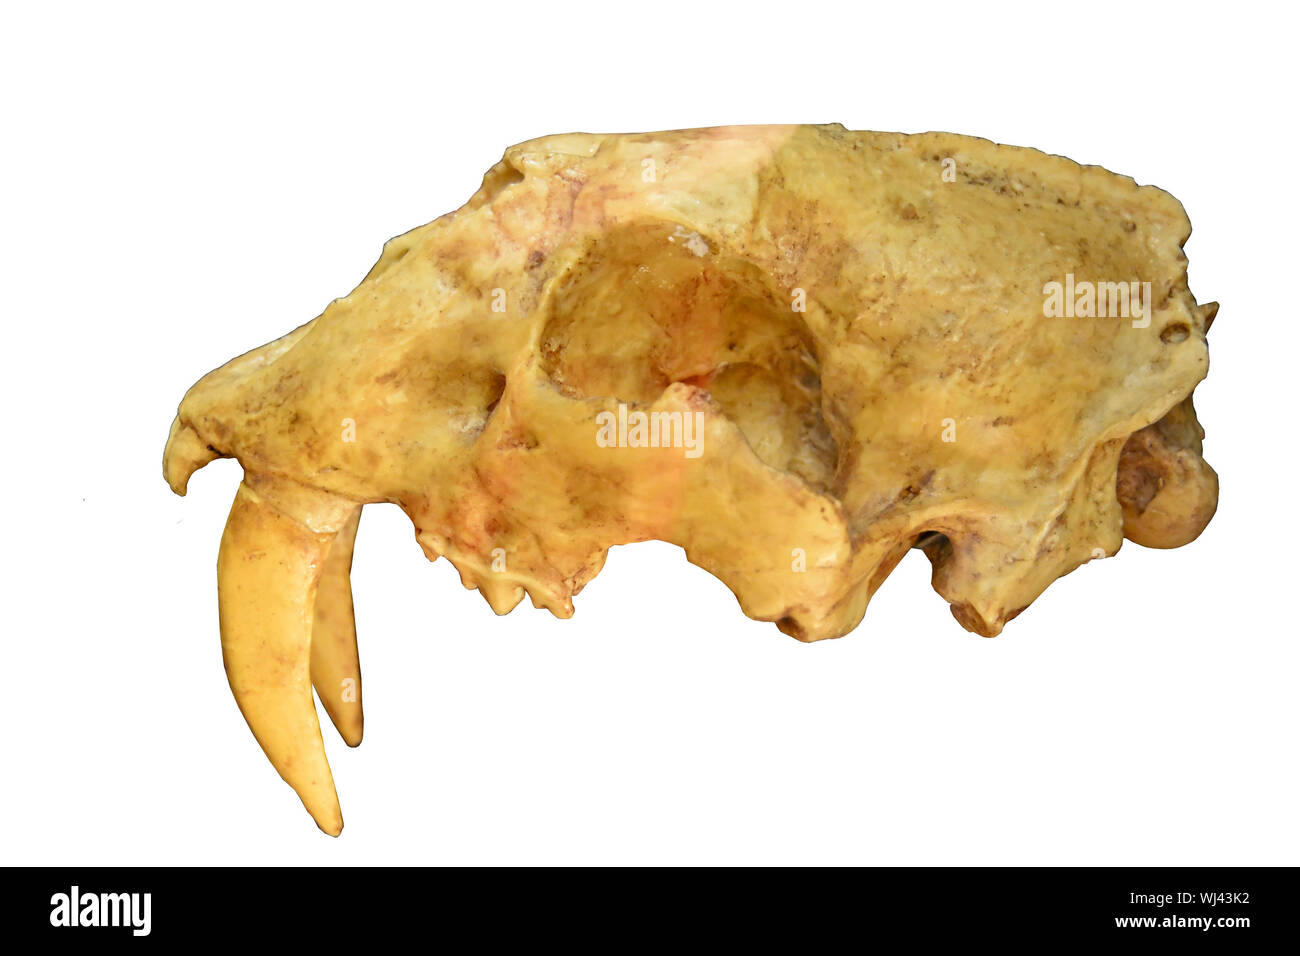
x=335 y=662
x=267 y=574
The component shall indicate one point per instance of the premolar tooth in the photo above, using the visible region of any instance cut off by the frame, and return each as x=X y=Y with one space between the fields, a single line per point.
x=335 y=662
x=267 y=572
x=502 y=595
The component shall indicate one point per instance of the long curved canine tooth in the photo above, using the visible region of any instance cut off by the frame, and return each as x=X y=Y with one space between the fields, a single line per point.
x=335 y=663
x=275 y=546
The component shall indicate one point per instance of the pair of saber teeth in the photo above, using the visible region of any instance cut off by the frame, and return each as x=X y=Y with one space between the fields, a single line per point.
x=287 y=625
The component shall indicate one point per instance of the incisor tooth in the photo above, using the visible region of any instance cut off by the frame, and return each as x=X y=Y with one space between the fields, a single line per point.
x=186 y=453
x=267 y=573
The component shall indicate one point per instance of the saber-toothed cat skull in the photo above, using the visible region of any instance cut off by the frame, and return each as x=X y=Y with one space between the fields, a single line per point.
x=795 y=351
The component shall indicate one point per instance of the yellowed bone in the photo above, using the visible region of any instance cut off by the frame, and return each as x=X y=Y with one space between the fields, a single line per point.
x=845 y=344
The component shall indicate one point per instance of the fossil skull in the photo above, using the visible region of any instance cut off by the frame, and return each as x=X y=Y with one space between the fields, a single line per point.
x=796 y=352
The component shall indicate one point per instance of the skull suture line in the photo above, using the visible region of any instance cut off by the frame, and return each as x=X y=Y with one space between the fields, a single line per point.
x=854 y=325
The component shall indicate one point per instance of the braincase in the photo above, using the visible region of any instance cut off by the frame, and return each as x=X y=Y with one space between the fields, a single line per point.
x=923 y=263
x=927 y=300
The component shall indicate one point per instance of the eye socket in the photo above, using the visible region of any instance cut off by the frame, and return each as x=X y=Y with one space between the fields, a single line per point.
x=651 y=306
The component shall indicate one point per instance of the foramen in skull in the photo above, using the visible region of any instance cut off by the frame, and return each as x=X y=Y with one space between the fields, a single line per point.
x=854 y=320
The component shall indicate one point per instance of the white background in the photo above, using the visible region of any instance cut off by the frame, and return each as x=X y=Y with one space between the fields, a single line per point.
x=180 y=186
